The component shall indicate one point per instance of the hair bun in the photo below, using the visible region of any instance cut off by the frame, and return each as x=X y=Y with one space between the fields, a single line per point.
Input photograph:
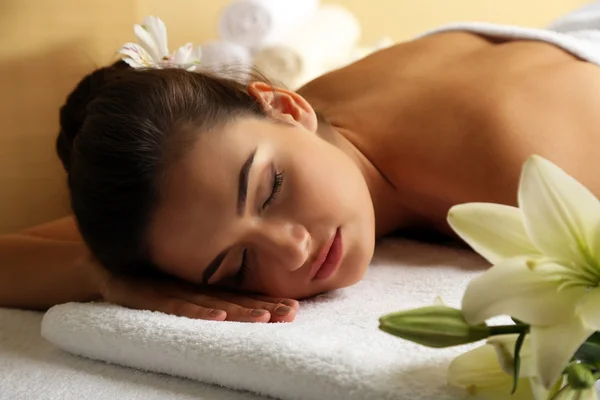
x=74 y=111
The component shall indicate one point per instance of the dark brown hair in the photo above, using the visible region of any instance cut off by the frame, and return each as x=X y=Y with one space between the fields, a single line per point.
x=121 y=129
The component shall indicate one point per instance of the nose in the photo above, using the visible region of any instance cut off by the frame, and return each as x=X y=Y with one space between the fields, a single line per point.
x=282 y=243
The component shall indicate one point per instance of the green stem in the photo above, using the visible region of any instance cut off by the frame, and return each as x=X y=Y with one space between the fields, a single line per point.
x=508 y=329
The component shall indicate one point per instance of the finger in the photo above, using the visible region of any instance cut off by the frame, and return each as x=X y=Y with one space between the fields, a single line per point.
x=243 y=314
x=280 y=312
x=287 y=316
x=184 y=308
x=140 y=296
x=282 y=309
x=220 y=292
x=278 y=300
x=210 y=298
x=247 y=312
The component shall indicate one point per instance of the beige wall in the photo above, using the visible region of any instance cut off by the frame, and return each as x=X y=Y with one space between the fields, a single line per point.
x=47 y=45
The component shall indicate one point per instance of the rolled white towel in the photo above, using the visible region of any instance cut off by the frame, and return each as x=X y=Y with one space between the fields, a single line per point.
x=225 y=57
x=330 y=35
x=256 y=23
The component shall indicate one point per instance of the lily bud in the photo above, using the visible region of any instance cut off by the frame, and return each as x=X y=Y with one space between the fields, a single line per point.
x=434 y=326
x=579 y=377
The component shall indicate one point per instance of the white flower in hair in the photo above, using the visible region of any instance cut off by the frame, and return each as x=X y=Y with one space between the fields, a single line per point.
x=152 y=50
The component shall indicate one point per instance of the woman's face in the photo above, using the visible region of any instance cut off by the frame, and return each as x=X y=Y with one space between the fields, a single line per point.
x=267 y=208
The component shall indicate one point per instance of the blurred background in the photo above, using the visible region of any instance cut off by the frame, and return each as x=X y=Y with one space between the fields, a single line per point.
x=46 y=46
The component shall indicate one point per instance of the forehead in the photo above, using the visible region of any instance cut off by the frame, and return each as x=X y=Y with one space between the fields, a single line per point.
x=199 y=194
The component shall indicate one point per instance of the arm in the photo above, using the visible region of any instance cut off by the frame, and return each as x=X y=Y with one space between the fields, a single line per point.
x=44 y=266
x=49 y=264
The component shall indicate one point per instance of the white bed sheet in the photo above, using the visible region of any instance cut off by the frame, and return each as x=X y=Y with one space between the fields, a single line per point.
x=31 y=368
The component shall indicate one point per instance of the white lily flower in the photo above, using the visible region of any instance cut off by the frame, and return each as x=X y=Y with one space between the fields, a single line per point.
x=136 y=56
x=152 y=50
x=183 y=54
x=152 y=34
x=486 y=371
x=546 y=257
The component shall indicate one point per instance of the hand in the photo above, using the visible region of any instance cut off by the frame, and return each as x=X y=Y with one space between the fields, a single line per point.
x=181 y=299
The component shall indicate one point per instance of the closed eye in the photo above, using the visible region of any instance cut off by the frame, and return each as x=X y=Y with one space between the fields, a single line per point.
x=242 y=272
x=277 y=182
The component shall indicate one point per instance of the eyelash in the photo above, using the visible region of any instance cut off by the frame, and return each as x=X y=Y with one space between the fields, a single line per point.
x=277 y=181
x=241 y=274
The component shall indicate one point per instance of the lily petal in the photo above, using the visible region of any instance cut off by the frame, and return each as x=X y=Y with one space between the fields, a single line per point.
x=492 y=230
x=549 y=359
x=589 y=394
x=147 y=42
x=539 y=391
x=478 y=372
x=136 y=56
x=505 y=350
x=194 y=59
x=197 y=54
x=504 y=345
x=513 y=288
x=157 y=29
x=560 y=215
x=478 y=367
x=182 y=54
x=589 y=309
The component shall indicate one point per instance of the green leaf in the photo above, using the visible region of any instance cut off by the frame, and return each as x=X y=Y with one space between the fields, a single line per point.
x=595 y=337
x=589 y=351
x=517 y=362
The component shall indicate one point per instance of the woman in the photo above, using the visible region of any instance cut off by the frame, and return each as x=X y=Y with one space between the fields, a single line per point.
x=197 y=195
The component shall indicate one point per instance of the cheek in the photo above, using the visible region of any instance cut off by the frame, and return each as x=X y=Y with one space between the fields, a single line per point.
x=326 y=179
x=280 y=283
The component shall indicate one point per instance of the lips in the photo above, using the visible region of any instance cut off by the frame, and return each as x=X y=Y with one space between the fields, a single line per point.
x=329 y=258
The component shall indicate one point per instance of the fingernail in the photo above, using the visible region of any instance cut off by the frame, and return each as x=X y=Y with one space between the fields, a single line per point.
x=215 y=313
x=258 y=312
x=282 y=310
x=290 y=303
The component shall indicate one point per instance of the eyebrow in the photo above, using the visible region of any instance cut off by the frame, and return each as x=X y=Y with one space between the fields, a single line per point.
x=243 y=183
x=241 y=206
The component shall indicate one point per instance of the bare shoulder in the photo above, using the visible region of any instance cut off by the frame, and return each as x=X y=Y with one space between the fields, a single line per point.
x=429 y=51
x=61 y=229
x=493 y=109
x=526 y=98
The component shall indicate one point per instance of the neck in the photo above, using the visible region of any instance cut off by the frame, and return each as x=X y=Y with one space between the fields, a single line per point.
x=388 y=213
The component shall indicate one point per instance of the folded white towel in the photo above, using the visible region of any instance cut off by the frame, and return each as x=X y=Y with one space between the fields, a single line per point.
x=256 y=23
x=332 y=351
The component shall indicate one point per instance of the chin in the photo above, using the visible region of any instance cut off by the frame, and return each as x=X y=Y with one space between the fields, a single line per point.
x=355 y=275
x=349 y=274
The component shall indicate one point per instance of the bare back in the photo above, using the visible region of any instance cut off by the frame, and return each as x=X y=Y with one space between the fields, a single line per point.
x=451 y=118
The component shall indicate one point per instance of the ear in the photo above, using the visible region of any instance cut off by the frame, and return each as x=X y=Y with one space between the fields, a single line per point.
x=284 y=104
